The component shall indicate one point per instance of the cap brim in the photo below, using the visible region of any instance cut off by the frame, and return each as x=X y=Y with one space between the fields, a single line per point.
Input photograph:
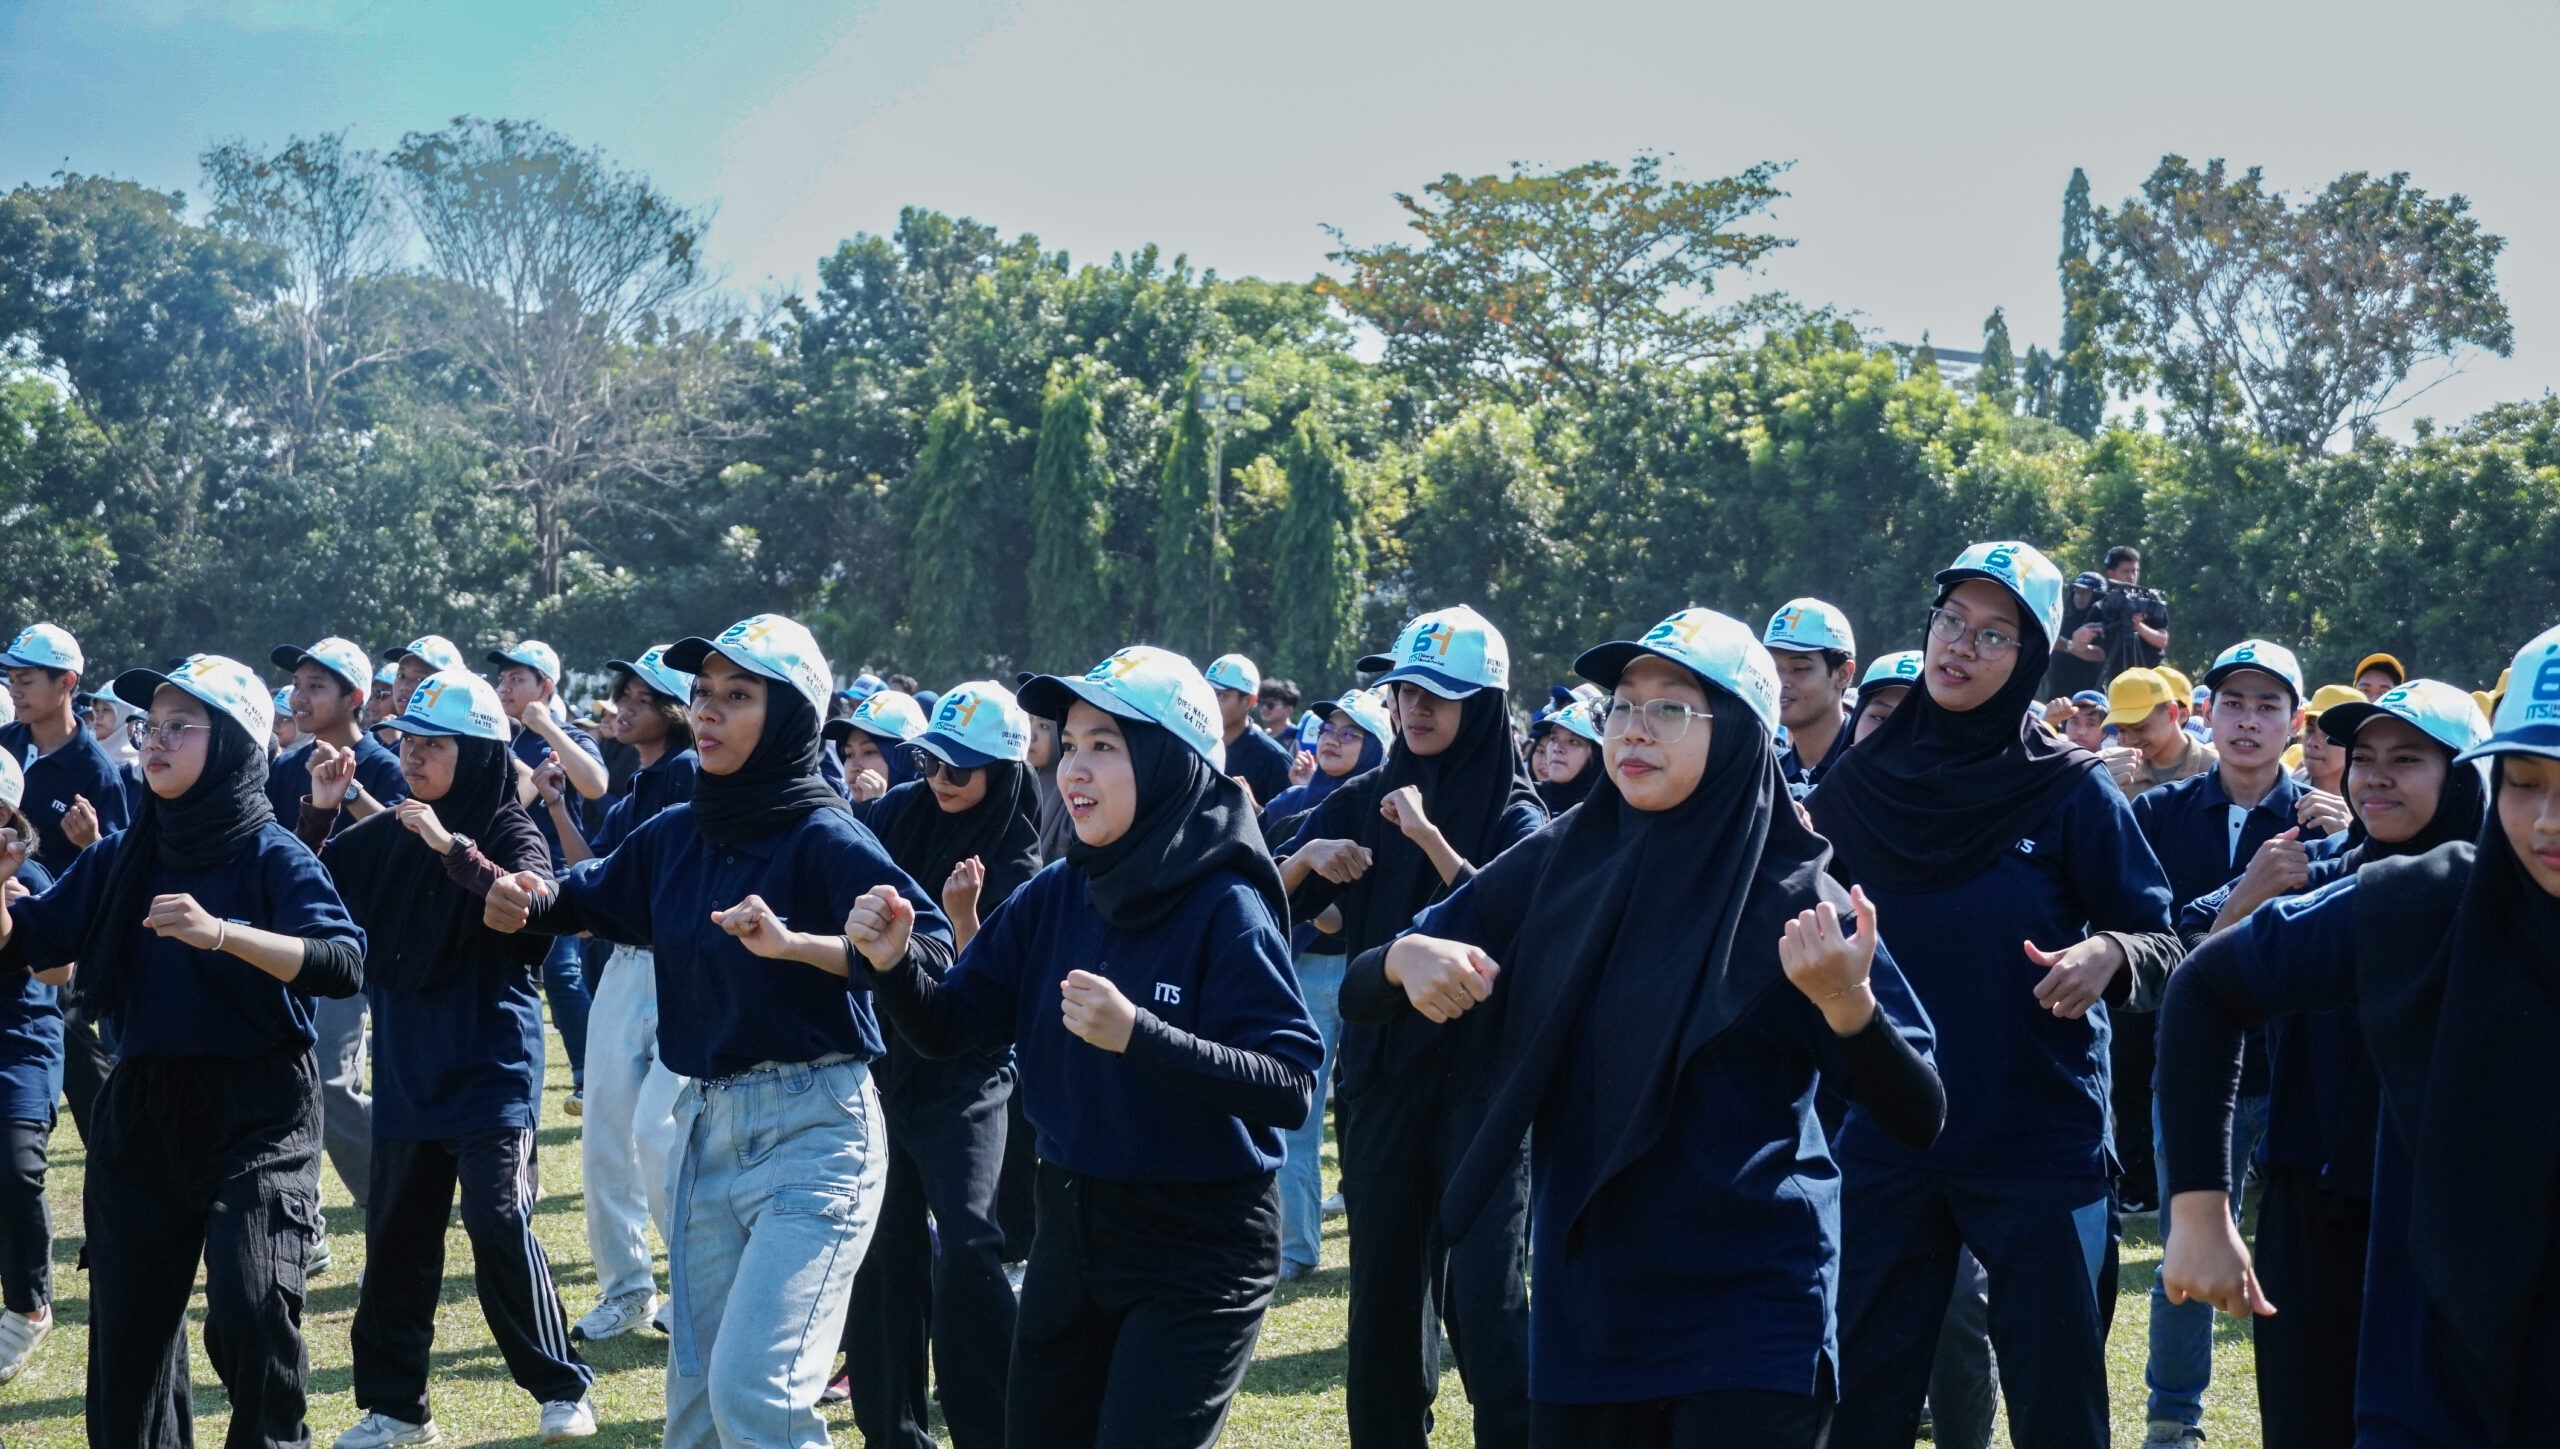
x=836 y=730
x=1949 y=578
x=687 y=656
x=502 y=658
x=1603 y=663
x=15 y=661
x=2213 y=678
x=136 y=686
x=1372 y=663
x=1048 y=696
x=2532 y=739
x=1447 y=686
x=2341 y=721
x=951 y=752
x=402 y=724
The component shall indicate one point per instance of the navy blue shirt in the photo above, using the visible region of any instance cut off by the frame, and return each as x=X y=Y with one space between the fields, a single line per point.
x=1800 y=776
x=2026 y=1089
x=722 y=1009
x=1217 y=968
x=1712 y=1262
x=533 y=750
x=377 y=769
x=650 y=790
x=2188 y=823
x=79 y=768
x=1262 y=764
x=30 y=1034
x=181 y=1001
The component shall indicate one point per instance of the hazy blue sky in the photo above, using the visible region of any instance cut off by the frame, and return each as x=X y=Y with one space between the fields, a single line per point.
x=1931 y=141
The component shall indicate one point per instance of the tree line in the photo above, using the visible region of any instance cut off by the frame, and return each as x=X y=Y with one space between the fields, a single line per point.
x=483 y=383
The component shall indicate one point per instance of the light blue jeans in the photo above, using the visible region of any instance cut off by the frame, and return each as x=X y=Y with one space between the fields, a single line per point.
x=776 y=1191
x=1302 y=1175
x=2181 y=1366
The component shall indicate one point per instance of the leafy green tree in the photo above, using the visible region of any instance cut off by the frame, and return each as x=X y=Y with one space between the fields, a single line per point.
x=1486 y=530
x=1070 y=524
x=954 y=602
x=1996 y=379
x=2080 y=394
x=1187 y=573
x=1321 y=562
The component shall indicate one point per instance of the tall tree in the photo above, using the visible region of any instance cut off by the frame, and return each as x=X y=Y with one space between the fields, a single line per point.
x=1543 y=284
x=1320 y=563
x=1187 y=573
x=1996 y=379
x=1487 y=530
x=1070 y=588
x=952 y=621
x=2080 y=394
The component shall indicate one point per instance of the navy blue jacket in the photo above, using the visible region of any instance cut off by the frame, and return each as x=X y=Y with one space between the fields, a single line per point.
x=721 y=1008
x=1261 y=762
x=1214 y=974
x=31 y=1034
x=2188 y=823
x=649 y=791
x=377 y=769
x=530 y=748
x=1713 y=1261
x=79 y=768
x=2026 y=1090
x=184 y=1002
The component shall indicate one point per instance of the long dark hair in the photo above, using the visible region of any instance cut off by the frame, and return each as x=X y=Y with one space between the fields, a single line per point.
x=677 y=713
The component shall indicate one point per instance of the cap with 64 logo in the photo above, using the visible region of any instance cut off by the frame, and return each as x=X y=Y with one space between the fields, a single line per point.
x=1141 y=682
x=2528 y=720
x=2022 y=569
x=1452 y=652
x=769 y=645
x=1718 y=648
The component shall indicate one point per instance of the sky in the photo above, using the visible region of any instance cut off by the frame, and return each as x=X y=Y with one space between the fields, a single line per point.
x=1930 y=143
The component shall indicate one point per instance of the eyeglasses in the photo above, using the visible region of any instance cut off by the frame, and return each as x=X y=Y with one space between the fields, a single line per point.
x=1666 y=721
x=167 y=735
x=1949 y=627
x=931 y=767
x=1340 y=734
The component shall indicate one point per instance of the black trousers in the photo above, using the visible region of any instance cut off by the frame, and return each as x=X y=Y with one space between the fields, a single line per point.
x=1140 y=1310
x=85 y=1062
x=213 y=1160
x=406 y=1209
x=1399 y=1142
x=26 y=1225
x=1017 y=1192
x=2311 y=1255
x=2132 y=1056
x=1726 y=1419
x=947 y=1135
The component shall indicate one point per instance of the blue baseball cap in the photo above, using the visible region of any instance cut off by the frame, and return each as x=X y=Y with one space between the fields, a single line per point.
x=1233 y=671
x=2022 y=569
x=13 y=782
x=453 y=702
x=1718 y=648
x=1451 y=652
x=864 y=686
x=2260 y=655
x=1144 y=683
x=652 y=670
x=2528 y=720
x=533 y=654
x=1582 y=717
x=2089 y=699
x=44 y=646
x=1367 y=708
x=222 y=684
x=1807 y=626
x=1898 y=669
x=889 y=714
x=977 y=723
x=341 y=657
x=284 y=702
x=771 y=646
x=2438 y=710
x=436 y=649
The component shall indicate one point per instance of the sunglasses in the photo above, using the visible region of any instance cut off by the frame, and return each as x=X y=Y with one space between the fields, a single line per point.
x=931 y=767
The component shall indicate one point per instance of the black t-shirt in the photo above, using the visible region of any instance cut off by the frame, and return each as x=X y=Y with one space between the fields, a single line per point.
x=2069 y=674
x=2118 y=609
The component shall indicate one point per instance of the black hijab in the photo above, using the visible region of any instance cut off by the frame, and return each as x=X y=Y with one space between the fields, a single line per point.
x=218 y=817
x=1466 y=789
x=1652 y=932
x=416 y=920
x=780 y=782
x=1191 y=822
x=1934 y=797
x=1562 y=795
x=2458 y=991
x=1002 y=830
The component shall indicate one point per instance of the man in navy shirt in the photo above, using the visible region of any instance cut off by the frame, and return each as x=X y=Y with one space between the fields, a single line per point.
x=1252 y=756
x=329 y=682
x=2204 y=829
x=556 y=759
x=1817 y=655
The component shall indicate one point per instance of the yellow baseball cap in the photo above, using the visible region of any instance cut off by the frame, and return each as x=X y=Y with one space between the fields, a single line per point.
x=2332 y=694
x=2178 y=681
x=2292 y=757
x=2135 y=694
x=2399 y=671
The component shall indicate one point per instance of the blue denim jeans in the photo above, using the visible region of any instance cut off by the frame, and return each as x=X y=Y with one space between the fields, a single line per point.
x=2181 y=1365
x=564 y=984
x=1302 y=1175
x=776 y=1192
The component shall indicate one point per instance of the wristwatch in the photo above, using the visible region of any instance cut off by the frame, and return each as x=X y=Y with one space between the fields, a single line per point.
x=355 y=791
x=460 y=844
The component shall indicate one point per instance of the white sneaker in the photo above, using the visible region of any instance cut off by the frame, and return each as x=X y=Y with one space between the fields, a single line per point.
x=664 y=1319
x=1333 y=1207
x=19 y=1336
x=381 y=1431
x=562 y=1419
x=616 y=1316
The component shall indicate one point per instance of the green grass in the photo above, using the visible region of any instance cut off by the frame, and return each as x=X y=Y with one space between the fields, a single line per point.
x=1292 y=1397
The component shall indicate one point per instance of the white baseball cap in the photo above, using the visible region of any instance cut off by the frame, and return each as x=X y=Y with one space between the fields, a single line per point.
x=977 y=723
x=44 y=646
x=1902 y=667
x=889 y=714
x=222 y=684
x=436 y=649
x=2438 y=710
x=284 y=702
x=1451 y=652
x=770 y=645
x=1582 y=717
x=1144 y=683
x=341 y=657
x=651 y=669
x=2528 y=720
x=1234 y=671
x=1808 y=626
x=387 y=675
x=1718 y=648
x=2260 y=655
x=1368 y=710
x=533 y=654
x=2022 y=569
x=453 y=702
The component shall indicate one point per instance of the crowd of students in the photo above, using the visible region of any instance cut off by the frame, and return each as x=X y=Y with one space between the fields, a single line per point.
x=1788 y=1022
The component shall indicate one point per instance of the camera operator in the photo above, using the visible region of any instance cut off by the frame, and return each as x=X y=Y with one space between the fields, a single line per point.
x=2078 y=649
x=2126 y=626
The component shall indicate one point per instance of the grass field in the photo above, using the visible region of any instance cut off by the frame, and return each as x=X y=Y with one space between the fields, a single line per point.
x=1292 y=1398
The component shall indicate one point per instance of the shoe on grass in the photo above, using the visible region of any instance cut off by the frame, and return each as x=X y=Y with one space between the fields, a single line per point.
x=616 y=1316
x=19 y=1336
x=320 y=1260
x=576 y=1106
x=381 y=1431
x=1333 y=1207
x=839 y=1390
x=2171 y=1432
x=568 y=1419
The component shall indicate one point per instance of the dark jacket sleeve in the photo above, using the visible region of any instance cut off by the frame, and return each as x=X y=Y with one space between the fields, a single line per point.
x=1254 y=1087
x=331 y=967
x=1484 y=910
x=1897 y=1086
